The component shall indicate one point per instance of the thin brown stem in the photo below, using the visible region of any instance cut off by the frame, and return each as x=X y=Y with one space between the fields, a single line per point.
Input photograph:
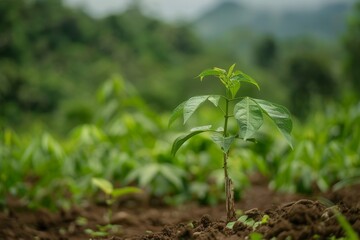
x=229 y=190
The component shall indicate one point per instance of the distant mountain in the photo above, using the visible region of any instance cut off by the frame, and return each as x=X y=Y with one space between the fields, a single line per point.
x=327 y=22
x=223 y=18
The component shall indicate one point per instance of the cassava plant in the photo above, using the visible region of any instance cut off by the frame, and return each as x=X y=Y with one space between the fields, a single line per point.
x=248 y=112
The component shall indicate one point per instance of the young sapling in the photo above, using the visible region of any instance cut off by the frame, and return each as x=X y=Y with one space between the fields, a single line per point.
x=248 y=112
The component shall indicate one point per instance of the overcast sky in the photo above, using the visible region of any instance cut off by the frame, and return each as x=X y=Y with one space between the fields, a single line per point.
x=187 y=9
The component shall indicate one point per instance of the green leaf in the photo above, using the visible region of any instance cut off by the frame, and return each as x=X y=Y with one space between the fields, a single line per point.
x=95 y=233
x=182 y=139
x=253 y=140
x=171 y=175
x=234 y=87
x=249 y=117
x=255 y=236
x=214 y=99
x=242 y=77
x=223 y=142
x=280 y=116
x=201 y=128
x=103 y=184
x=231 y=69
x=265 y=219
x=178 y=111
x=188 y=107
x=243 y=218
x=148 y=173
x=119 y=192
x=250 y=222
x=209 y=72
x=192 y=104
x=220 y=70
x=230 y=225
x=346 y=226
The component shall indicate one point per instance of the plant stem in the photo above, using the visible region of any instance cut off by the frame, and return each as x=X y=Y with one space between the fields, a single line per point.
x=229 y=191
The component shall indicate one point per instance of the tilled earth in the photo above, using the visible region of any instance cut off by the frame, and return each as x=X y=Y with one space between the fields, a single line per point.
x=295 y=216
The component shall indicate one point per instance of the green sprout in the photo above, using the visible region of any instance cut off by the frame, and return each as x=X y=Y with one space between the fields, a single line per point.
x=111 y=195
x=248 y=112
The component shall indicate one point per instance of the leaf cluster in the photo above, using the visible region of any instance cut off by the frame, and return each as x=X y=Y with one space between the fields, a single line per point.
x=248 y=112
x=230 y=79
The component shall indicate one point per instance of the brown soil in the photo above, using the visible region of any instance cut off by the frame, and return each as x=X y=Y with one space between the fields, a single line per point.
x=296 y=216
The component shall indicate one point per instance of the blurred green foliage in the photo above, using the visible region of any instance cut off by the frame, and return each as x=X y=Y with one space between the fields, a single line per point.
x=326 y=152
x=312 y=82
x=130 y=144
x=52 y=59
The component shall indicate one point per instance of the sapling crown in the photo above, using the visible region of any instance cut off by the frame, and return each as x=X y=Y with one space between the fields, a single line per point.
x=247 y=112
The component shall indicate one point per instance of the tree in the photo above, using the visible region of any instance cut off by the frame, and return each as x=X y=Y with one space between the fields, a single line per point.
x=352 y=48
x=266 y=52
x=308 y=77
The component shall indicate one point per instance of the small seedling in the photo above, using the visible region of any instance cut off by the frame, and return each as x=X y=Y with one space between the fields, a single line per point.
x=248 y=112
x=111 y=195
x=102 y=231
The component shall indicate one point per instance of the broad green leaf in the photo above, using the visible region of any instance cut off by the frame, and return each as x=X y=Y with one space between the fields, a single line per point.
x=192 y=104
x=103 y=184
x=188 y=107
x=280 y=116
x=178 y=111
x=119 y=192
x=214 y=99
x=242 y=77
x=249 y=117
x=182 y=139
x=209 y=72
x=223 y=142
